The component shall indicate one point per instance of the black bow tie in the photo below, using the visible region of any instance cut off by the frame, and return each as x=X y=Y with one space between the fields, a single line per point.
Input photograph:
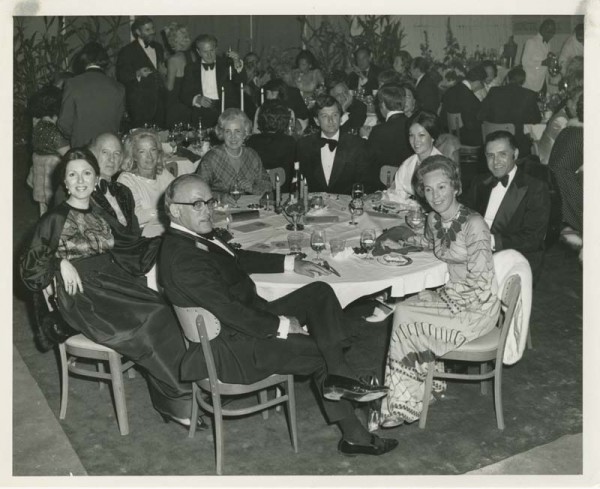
x=208 y=66
x=332 y=143
x=503 y=180
x=106 y=185
x=147 y=44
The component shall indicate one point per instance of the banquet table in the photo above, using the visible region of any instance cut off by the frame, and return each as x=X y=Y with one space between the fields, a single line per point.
x=359 y=276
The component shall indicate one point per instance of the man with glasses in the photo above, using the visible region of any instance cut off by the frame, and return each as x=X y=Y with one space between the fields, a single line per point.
x=301 y=333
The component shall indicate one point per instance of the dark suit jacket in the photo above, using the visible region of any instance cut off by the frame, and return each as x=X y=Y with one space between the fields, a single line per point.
x=92 y=104
x=357 y=115
x=275 y=151
x=372 y=83
x=126 y=203
x=388 y=143
x=522 y=219
x=145 y=98
x=459 y=99
x=512 y=104
x=427 y=94
x=350 y=164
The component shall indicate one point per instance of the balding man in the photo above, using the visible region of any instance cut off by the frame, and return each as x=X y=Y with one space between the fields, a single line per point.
x=260 y=338
x=535 y=56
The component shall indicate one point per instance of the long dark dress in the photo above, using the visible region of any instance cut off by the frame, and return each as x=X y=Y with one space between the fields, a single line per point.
x=115 y=309
x=177 y=111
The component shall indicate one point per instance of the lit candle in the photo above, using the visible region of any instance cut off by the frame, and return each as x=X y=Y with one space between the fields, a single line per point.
x=230 y=73
x=262 y=96
x=242 y=96
x=277 y=190
x=222 y=99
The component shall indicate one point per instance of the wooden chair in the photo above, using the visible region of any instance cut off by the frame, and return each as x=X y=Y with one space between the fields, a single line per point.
x=383 y=174
x=489 y=127
x=79 y=346
x=484 y=349
x=200 y=326
x=273 y=172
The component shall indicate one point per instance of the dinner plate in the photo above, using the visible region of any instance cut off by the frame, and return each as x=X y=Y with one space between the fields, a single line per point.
x=394 y=260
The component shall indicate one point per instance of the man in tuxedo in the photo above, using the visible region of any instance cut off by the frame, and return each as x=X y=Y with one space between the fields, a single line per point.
x=388 y=142
x=426 y=89
x=330 y=160
x=461 y=99
x=259 y=338
x=515 y=205
x=513 y=104
x=141 y=68
x=92 y=102
x=204 y=79
x=354 y=111
x=365 y=74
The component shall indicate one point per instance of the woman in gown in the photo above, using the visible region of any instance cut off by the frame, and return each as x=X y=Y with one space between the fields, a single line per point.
x=73 y=246
x=433 y=322
x=307 y=77
x=180 y=41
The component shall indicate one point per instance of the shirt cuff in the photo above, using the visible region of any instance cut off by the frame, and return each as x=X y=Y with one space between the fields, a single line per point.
x=284 y=328
x=288 y=264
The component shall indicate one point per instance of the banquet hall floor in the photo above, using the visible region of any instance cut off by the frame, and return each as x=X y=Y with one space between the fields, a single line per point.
x=542 y=399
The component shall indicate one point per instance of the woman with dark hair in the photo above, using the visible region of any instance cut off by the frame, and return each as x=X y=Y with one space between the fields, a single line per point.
x=274 y=146
x=402 y=63
x=48 y=144
x=433 y=322
x=424 y=129
x=290 y=97
x=74 y=248
x=307 y=76
x=411 y=106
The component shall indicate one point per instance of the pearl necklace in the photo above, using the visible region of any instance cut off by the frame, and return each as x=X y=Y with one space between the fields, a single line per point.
x=233 y=156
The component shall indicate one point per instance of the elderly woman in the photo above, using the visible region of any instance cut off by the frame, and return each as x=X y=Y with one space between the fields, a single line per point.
x=180 y=42
x=232 y=162
x=144 y=173
x=433 y=322
x=74 y=247
x=422 y=133
x=307 y=76
x=274 y=146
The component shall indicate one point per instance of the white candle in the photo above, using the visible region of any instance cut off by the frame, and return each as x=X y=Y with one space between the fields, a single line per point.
x=305 y=194
x=262 y=96
x=277 y=190
x=222 y=99
x=242 y=96
x=230 y=73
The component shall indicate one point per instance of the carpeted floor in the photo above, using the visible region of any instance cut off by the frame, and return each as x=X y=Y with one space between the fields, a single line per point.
x=542 y=399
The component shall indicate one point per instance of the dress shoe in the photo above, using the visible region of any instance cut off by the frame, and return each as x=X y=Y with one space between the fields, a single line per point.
x=392 y=421
x=336 y=386
x=201 y=425
x=377 y=446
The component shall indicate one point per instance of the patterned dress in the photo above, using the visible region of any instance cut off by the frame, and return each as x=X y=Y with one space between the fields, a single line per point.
x=465 y=308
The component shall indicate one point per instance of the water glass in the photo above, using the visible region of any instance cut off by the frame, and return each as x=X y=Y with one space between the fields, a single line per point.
x=295 y=243
x=337 y=245
x=356 y=208
x=236 y=192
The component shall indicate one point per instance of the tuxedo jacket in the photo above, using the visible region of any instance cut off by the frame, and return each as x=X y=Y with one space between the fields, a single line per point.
x=427 y=94
x=522 y=218
x=92 y=104
x=372 y=82
x=357 y=115
x=388 y=143
x=350 y=165
x=512 y=104
x=459 y=99
x=146 y=97
x=126 y=202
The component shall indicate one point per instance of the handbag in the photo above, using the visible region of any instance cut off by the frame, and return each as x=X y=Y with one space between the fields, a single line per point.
x=50 y=329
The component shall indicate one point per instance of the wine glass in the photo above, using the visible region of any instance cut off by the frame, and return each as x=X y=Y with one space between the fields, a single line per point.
x=318 y=240
x=415 y=218
x=358 y=189
x=367 y=241
x=236 y=192
x=356 y=208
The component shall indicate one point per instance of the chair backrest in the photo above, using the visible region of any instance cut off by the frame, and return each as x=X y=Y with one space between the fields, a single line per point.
x=273 y=172
x=383 y=174
x=509 y=297
x=188 y=318
x=489 y=127
x=454 y=123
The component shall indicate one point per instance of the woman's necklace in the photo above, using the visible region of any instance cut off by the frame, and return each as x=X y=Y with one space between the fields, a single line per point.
x=448 y=234
x=233 y=156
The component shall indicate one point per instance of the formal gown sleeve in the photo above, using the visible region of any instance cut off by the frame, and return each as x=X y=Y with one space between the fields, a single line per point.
x=477 y=286
x=39 y=263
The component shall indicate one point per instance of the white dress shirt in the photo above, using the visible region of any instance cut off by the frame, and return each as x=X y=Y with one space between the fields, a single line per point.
x=391 y=113
x=496 y=197
x=419 y=79
x=534 y=52
x=150 y=52
x=571 y=48
x=328 y=156
x=209 y=83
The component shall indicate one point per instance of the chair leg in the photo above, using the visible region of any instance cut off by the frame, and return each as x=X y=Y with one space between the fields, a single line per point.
x=114 y=363
x=277 y=394
x=426 y=394
x=218 y=418
x=64 y=373
x=194 y=414
x=498 y=397
x=262 y=398
x=529 y=343
x=485 y=384
x=292 y=412
x=102 y=369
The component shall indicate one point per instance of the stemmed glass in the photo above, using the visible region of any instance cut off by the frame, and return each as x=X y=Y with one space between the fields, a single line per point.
x=236 y=192
x=356 y=208
x=358 y=190
x=367 y=241
x=318 y=240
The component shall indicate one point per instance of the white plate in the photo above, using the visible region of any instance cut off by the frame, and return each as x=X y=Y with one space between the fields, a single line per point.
x=398 y=260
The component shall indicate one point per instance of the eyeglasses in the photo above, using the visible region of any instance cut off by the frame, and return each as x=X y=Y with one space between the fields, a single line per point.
x=200 y=204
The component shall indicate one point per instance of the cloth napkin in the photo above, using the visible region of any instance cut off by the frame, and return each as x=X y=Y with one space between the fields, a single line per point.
x=343 y=255
x=396 y=233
